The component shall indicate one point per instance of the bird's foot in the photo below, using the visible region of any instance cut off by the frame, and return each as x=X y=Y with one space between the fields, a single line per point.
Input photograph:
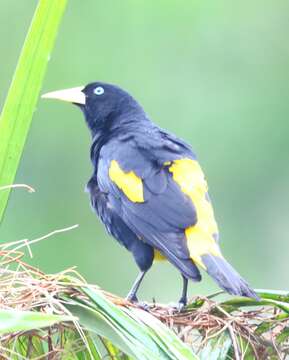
x=144 y=305
x=174 y=307
x=141 y=304
x=132 y=298
x=179 y=307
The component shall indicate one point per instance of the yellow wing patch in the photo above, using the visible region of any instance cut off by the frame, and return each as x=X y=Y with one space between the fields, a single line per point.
x=188 y=174
x=129 y=183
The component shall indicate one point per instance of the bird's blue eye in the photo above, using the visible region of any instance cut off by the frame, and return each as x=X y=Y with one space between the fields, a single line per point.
x=98 y=90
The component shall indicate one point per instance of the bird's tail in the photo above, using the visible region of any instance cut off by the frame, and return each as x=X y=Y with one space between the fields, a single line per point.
x=227 y=277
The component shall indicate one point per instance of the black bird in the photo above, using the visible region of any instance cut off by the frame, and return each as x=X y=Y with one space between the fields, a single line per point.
x=149 y=190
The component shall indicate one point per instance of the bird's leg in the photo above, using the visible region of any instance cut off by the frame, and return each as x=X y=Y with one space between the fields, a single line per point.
x=132 y=293
x=184 y=299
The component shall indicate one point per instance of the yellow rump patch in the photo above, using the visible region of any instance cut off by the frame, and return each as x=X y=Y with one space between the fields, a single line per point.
x=158 y=256
x=129 y=183
x=188 y=174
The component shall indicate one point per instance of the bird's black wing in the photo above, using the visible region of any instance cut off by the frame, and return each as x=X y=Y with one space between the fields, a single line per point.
x=159 y=189
x=135 y=171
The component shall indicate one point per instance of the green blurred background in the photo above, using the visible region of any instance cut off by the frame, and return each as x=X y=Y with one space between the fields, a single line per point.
x=216 y=74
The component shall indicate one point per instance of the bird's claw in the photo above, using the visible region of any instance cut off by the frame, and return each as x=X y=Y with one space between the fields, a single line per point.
x=144 y=305
x=179 y=307
x=132 y=298
x=141 y=304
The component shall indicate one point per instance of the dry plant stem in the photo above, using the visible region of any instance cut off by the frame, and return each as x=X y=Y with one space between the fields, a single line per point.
x=27 y=243
x=235 y=343
x=27 y=187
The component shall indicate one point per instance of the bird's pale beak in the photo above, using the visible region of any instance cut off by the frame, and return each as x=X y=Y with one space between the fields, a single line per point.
x=73 y=95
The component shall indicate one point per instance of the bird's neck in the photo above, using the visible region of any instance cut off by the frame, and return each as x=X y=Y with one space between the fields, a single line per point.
x=131 y=122
x=117 y=121
x=97 y=142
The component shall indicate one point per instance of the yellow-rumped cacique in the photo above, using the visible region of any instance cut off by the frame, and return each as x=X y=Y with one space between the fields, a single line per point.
x=149 y=190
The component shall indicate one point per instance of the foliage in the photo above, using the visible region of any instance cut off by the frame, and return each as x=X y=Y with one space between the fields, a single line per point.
x=24 y=90
x=47 y=316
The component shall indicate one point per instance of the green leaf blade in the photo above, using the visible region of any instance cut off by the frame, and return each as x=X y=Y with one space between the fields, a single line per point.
x=15 y=320
x=22 y=97
x=217 y=348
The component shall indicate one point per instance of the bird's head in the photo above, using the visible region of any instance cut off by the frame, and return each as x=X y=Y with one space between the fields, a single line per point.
x=104 y=105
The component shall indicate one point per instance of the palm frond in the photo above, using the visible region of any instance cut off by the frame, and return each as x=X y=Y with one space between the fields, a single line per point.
x=48 y=315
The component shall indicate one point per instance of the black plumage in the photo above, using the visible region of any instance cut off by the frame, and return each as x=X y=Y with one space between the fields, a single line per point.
x=141 y=190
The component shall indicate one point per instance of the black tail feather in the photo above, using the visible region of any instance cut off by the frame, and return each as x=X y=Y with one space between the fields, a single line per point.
x=227 y=277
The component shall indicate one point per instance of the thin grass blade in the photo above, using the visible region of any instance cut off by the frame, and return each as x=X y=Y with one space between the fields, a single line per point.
x=95 y=323
x=240 y=302
x=217 y=348
x=126 y=325
x=162 y=335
